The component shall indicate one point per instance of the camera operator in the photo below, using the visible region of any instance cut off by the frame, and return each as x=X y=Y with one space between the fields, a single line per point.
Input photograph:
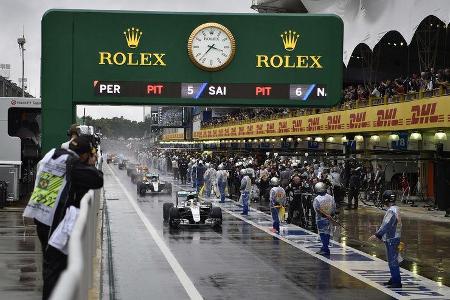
x=63 y=178
x=72 y=133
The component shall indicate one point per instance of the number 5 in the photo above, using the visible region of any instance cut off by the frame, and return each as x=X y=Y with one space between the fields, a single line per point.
x=190 y=90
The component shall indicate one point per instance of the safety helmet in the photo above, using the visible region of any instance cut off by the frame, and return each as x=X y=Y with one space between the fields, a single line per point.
x=220 y=167
x=320 y=187
x=207 y=165
x=389 y=196
x=274 y=181
x=243 y=172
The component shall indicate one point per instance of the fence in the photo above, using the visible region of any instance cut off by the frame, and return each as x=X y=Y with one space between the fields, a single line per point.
x=77 y=279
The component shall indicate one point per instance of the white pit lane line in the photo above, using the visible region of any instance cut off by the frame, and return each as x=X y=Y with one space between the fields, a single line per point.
x=348 y=268
x=184 y=279
x=376 y=265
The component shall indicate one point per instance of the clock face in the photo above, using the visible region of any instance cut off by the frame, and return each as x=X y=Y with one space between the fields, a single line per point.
x=211 y=46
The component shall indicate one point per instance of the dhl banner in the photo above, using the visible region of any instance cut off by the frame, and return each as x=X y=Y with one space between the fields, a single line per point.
x=173 y=136
x=418 y=114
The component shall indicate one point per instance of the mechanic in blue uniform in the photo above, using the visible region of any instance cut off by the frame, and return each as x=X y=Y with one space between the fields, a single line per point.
x=199 y=173
x=246 y=188
x=324 y=207
x=390 y=233
x=277 y=198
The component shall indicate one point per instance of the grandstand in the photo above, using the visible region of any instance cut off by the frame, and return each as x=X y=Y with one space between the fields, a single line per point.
x=387 y=58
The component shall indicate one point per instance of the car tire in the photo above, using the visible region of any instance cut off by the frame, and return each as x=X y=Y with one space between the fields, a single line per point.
x=133 y=179
x=166 y=211
x=216 y=213
x=169 y=188
x=142 y=191
x=174 y=217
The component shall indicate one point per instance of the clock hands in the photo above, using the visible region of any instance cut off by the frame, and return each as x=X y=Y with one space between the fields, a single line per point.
x=216 y=48
x=209 y=48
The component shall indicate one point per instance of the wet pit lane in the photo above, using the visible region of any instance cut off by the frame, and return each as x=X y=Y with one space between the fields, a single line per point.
x=427 y=241
x=238 y=261
x=20 y=257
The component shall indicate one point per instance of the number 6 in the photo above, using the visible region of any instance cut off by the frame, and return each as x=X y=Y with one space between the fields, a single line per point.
x=298 y=91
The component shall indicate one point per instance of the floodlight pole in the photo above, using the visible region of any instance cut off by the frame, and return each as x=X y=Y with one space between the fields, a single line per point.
x=21 y=42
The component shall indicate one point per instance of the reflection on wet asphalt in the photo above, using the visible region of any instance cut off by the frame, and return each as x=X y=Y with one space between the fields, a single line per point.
x=20 y=258
x=241 y=261
x=427 y=243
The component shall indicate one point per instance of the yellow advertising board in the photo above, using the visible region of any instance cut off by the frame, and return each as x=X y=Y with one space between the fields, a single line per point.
x=419 y=114
x=177 y=136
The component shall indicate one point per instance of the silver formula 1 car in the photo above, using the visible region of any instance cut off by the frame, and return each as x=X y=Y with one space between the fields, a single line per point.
x=190 y=210
x=151 y=183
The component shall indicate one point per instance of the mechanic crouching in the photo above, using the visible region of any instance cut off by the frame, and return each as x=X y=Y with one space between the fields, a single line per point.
x=390 y=233
x=324 y=207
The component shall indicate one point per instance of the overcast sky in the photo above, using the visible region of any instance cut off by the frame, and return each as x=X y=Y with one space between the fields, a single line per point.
x=18 y=14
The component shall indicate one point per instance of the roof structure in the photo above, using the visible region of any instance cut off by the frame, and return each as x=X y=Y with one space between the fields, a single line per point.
x=367 y=21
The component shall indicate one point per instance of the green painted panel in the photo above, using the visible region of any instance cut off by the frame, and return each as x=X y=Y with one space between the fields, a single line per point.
x=56 y=78
x=72 y=42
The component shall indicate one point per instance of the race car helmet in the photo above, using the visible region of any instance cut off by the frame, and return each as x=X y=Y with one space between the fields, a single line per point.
x=320 y=188
x=192 y=196
x=274 y=181
x=389 y=196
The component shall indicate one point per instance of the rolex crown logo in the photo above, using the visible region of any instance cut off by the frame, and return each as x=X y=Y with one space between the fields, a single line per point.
x=133 y=36
x=289 y=39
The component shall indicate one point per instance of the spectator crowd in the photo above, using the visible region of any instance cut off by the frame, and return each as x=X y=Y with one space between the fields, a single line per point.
x=407 y=87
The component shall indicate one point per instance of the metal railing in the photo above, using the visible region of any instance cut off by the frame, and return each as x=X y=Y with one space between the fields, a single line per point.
x=77 y=279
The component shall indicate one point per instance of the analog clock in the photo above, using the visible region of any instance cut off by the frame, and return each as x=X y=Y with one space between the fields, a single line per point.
x=211 y=46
